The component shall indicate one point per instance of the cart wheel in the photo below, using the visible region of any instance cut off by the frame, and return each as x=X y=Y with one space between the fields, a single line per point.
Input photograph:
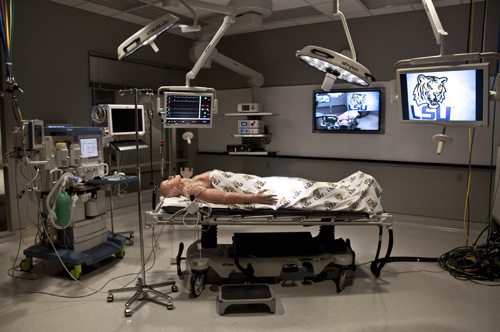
x=76 y=272
x=341 y=280
x=120 y=253
x=26 y=264
x=175 y=288
x=170 y=305
x=128 y=312
x=110 y=297
x=197 y=283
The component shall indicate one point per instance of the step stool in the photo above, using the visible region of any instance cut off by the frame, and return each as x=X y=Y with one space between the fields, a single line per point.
x=245 y=294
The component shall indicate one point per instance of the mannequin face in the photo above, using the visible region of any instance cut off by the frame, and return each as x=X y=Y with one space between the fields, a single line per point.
x=171 y=187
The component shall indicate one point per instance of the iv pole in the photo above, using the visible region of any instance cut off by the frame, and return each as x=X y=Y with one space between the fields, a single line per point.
x=142 y=288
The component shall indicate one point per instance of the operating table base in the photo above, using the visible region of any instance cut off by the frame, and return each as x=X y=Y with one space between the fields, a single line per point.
x=143 y=294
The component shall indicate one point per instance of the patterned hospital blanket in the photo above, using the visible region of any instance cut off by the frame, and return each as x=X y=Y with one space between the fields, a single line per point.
x=358 y=192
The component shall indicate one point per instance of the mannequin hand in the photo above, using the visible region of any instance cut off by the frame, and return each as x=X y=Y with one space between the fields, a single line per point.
x=264 y=198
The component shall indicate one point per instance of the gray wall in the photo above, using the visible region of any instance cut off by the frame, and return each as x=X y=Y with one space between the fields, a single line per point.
x=51 y=63
x=293 y=134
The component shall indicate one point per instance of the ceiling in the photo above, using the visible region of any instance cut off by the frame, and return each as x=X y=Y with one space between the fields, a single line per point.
x=285 y=13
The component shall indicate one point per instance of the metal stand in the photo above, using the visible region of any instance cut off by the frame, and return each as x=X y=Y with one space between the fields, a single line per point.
x=110 y=186
x=142 y=288
x=109 y=182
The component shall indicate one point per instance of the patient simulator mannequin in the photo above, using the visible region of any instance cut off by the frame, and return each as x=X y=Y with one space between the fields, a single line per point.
x=357 y=192
x=201 y=188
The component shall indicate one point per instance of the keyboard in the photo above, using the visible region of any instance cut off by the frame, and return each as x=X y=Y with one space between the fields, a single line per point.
x=128 y=145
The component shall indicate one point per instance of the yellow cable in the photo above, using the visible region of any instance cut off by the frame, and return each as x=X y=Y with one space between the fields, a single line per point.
x=470 y=139
x=24 y=230
x=7 y=26
x=467 y=195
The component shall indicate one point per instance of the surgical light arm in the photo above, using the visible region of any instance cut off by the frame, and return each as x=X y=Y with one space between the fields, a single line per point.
x=336 y=11
x=254 y=79
x=228 y=20
x=437 y=28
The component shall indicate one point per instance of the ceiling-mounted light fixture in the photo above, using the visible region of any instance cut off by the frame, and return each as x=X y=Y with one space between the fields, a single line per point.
x=146 y=36
x=336 y=65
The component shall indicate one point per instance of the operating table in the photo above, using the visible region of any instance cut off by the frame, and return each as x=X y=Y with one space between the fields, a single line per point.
x=283 y=255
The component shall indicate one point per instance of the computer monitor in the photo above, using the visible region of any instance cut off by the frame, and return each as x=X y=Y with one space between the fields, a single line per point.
x=444 y=95
x=347 y=110
x=188 y=109
x=122 y=119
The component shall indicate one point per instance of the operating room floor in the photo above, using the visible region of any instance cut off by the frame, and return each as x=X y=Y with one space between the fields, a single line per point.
x=416 y=296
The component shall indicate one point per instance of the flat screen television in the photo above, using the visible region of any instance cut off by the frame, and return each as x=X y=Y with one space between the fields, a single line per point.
x=349 y=110
x=121 y=119
x=188 y=109
x=444 y=95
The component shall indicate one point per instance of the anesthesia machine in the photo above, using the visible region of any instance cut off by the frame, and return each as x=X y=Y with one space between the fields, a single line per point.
x=64 y=162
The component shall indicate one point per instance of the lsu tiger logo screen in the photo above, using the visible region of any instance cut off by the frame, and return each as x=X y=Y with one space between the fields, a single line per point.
x=442 y=95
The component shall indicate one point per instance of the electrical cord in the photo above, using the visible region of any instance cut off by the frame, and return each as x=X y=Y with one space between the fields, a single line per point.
x=99 y=114
x=366 y=265
x=464 y=263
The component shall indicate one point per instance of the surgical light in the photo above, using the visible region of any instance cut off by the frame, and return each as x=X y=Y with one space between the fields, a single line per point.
x=336 y=65
x=146 y=35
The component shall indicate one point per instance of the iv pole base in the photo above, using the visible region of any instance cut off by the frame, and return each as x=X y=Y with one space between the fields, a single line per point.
x=143 y=294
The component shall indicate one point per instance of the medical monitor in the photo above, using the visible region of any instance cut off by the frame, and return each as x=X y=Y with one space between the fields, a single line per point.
x=33 y=131
x=188 y=109
x=121 y=119
x=89 y=150
x=349 y=110
x=444 y=95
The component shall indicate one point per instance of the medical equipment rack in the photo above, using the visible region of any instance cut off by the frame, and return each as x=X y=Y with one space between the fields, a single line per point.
x=252 y=143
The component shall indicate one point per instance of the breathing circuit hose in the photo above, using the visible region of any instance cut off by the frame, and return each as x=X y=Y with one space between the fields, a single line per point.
x=62 y=209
